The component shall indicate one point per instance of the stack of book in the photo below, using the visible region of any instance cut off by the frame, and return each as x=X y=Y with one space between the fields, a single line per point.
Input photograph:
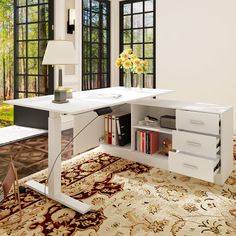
x=146 y=141
x=117 y=129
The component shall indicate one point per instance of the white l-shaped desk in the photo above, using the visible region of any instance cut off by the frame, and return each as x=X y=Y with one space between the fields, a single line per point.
x=82 y=102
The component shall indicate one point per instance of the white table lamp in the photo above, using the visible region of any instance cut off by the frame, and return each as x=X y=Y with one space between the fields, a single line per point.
x=60 y=52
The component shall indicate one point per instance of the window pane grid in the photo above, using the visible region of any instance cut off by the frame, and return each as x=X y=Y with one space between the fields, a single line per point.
x=137 y=31
x=96 y=43
x=32 y=32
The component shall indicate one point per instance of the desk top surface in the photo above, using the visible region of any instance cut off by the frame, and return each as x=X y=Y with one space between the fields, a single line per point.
x=90 y=100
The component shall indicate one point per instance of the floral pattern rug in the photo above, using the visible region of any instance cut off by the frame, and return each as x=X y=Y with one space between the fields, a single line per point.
x=126 y=198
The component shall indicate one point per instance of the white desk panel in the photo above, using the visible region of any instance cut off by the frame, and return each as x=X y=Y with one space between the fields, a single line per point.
x=85 y=101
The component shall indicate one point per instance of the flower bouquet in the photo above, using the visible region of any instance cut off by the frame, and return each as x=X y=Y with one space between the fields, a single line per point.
x=130 y=63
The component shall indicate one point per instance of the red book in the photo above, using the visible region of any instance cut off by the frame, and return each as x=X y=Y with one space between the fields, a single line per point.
x=154 y=139
x=109 y=129
x=143 y=141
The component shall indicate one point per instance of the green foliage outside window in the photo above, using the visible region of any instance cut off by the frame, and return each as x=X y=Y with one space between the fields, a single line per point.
x=6 y=49
x=6 y=61
x=6 y=115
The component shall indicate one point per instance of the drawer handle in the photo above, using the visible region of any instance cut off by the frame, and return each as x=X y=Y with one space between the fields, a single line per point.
x=190 y=166
x=196 y=122
x=195 y=144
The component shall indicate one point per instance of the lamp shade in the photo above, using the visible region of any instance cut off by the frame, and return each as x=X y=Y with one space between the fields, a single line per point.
x=59 y=52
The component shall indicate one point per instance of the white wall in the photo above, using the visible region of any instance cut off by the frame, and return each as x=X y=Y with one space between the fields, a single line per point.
x=71 y=74
x=196 y=50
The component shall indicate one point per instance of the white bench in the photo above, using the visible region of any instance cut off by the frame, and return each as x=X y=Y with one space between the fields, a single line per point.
x=14 y=133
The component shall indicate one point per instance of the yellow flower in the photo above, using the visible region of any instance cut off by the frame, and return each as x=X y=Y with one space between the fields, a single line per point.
x=139 y=70
x=118 y=62
x=137 y=62
x=129 y=61
x=124 y=56
x=128 y=50
x=127 y=64
x=133 y=56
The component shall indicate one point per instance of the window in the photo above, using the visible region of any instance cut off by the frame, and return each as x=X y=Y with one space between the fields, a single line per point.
x=33 y=27
x=96 y=44
x=137 y=31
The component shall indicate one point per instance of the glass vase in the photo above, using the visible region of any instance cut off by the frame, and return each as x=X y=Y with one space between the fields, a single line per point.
x=139 y=82
x=127 y=79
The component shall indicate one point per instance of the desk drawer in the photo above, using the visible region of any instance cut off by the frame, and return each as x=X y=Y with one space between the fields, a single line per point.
x=197 y=144
x=198 y=122
x=192 y=166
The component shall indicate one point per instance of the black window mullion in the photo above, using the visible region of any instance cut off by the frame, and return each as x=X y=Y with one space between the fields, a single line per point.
x=90 y=36
x=143 y=80
x=32 y=5
x=38 y=82
x=154 y=45
x=132 y=38
x=100 y=46
x=82 y=81
x=108 y=81
x=16 y=53
x=27 y=44
x=121 y=10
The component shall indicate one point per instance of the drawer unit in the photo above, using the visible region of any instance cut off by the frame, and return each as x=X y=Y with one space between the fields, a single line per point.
x=197 y=144
x=198 y=122
x=193 y=166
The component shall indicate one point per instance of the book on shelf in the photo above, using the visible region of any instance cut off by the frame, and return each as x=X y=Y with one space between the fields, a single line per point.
x=109 y=129
x=114 y=131
x=146 y=141
x=117 y=128
x=143 y=141
x=106 y=129
x=123 y=123
x=154 y=140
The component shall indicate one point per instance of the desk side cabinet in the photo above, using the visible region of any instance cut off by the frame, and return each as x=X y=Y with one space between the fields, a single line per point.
x=201 y=144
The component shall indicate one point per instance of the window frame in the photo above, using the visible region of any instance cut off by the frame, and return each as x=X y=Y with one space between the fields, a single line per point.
x=101 y=82
x=121 y=46
x=50 y=35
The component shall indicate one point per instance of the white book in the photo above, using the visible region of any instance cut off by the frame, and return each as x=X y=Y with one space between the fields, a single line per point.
x=114 y=130
x=106 y=129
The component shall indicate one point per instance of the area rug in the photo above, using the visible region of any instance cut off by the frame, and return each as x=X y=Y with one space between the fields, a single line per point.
x=126 y=198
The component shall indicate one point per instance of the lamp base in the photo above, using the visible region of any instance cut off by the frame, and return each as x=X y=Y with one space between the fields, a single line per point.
x=60 y=102
x=60 y=95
